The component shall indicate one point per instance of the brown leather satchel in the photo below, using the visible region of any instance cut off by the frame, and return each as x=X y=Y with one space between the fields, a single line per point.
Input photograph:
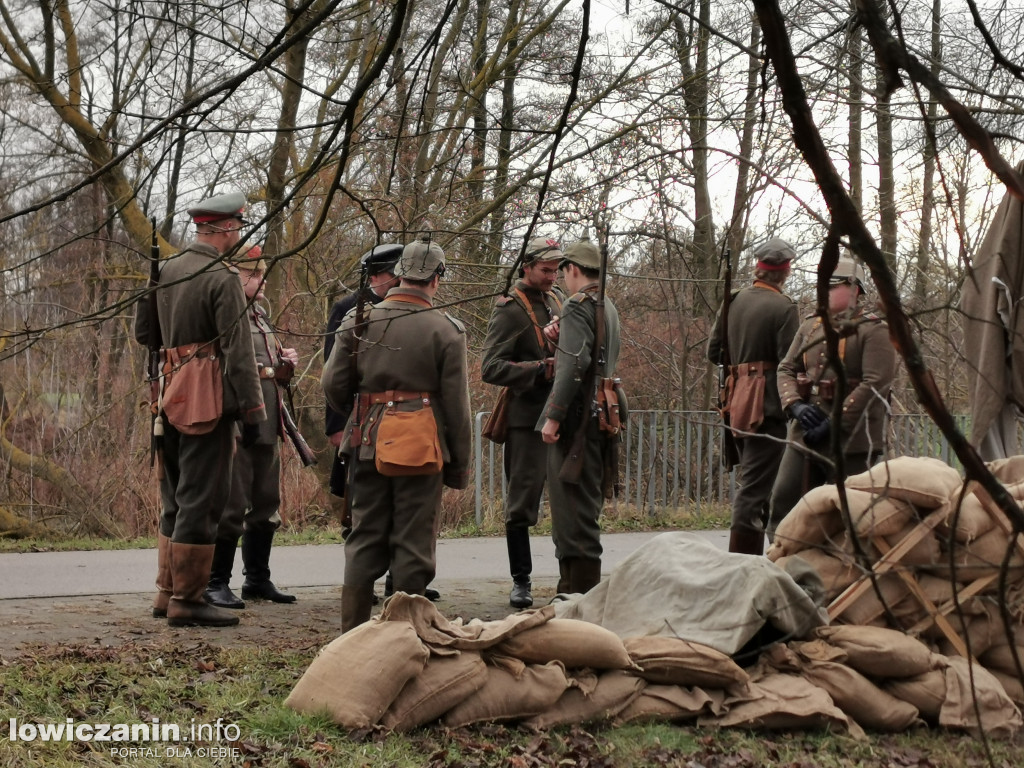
x=407 y=443
x=496 y=427
x=193 y=397
x=746 y=401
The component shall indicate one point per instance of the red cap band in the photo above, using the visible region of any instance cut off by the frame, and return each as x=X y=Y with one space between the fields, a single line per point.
x=772 y=267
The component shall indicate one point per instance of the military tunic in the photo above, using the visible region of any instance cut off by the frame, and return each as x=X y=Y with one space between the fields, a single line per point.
x=869 y=360
x=255 y=497
x=575 y=509
x=514 y=357
x=200 y=300
x=762 y=323
x=405 y=346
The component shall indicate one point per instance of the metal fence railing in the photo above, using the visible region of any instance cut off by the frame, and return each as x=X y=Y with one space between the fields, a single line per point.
x=672 y=458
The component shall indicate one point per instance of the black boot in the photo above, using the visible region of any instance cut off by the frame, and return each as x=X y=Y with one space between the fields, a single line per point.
x=520 y=562
x=746 y=542
x=218 y=592
x=256 y=546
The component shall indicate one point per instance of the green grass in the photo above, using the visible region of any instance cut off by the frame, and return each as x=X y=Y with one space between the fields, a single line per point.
x=193 y=682
x=325 y=530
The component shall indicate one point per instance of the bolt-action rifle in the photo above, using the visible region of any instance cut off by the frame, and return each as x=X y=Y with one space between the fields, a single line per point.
x=154 y=343
x=291 y=429
x=730 y=455
x=572 y=466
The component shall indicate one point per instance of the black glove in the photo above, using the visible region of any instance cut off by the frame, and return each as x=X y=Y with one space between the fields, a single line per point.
x=809 y=416
x=250 y=434
x=818 y=435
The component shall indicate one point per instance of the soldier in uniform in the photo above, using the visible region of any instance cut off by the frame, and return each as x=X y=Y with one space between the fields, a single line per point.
x=517 y=355
x=408 y=358
x=253 y=505
x=378 y=268
x=761 y=323
x=808 y=388
x=200 y=304
x=576 y=509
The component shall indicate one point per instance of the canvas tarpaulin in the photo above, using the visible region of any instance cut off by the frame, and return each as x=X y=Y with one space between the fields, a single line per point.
x=679 y=585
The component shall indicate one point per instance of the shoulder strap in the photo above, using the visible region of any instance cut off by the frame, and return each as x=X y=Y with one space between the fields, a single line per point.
x=524 y=300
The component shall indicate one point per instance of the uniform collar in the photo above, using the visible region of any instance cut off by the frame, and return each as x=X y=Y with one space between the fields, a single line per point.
x=399 y=291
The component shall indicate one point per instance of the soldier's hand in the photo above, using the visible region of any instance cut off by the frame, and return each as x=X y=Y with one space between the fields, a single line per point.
x=809 y=416
x=817 y=436
x=335 y=438
x=551 y=330
x=550 y=431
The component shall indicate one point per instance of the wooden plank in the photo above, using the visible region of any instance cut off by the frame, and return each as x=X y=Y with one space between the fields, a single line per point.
x=995 y=513
x=887 y=562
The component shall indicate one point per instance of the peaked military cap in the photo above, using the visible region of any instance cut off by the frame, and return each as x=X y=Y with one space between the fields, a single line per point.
x=583 y=253
x=227 y=206
x=250 y=259
x=381 y=258
x=774 y=254
x=542 y=249
x=421 y=260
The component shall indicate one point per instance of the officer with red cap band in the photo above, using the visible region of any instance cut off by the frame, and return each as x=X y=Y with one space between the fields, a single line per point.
x=199 y=304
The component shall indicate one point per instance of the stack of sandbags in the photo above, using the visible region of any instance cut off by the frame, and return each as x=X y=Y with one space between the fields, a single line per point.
x=948 y=542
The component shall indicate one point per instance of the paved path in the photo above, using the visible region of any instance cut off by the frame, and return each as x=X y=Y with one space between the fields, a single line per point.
x=132 y=571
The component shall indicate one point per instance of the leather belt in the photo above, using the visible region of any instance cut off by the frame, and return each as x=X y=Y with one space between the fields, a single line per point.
x=392 y=396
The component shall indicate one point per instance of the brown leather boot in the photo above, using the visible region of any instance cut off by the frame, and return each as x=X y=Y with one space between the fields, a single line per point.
x=191 y=573
x=586 y=574
x=164 y=582
x=564 y=576
x=356 y=605
x=746 y=542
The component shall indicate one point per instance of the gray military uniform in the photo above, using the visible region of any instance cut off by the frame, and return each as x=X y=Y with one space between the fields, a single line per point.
x=514 y=357
x=869 y=360
x=255 y=497
x=576 y=509
x=200 y=301
x=762 y=323
x=404 y=347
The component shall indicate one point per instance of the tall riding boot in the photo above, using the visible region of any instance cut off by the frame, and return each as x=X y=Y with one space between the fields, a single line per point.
x=218 y=591
x=356 y=605
x=256 y=546
x=191 y=573
x=164 y=579
x=746 y=542
x=586 y=574
x=520 y=563
x=564 y=576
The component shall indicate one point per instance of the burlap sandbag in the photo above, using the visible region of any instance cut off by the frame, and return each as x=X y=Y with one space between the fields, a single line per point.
x=967 y=520
x=671 y=704
x=869 y=610
x=925 y=692
x=783 y=702
x=609 y=694
x=572 y=642
x=979 y=628
x=865 y=702
x=999 y=656
x=1012 y=685
x=357 y=676
x=923 y=481
x=444 y=682
x=971 y=689
x=505 y=696
x=878 y=652
x=837 y=573
x=815 y=521
x=925 y=552
x=1009 y=470
x=884 y=516
x=672 y=661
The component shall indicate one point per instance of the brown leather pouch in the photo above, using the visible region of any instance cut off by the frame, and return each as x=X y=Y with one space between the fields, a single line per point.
x=496 y=427
x=407 y=443
x=193 y=397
